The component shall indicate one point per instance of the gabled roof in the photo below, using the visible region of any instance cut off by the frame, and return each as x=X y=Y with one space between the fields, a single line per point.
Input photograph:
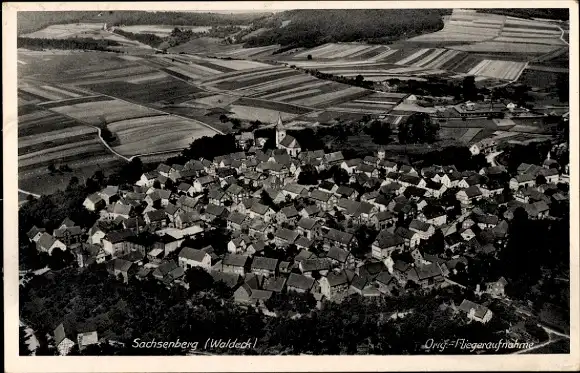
x=289 y=211
x=34 y=231
x=306 y=223
x=300 y=281
x=337 y=254
x=428 y=271
x=192 y=254
x=259 y=208
x=337 y=279
x=46 y=241
x=286 y=234
x=385 y=240
x=315 y=264
x=419 y=225
x=236 y=217
x=156 y=215
x=334 y=157
x=467 y=305
x=339 y=236
x=260 y=262
x=320 y=195
x=235 y=260
x=215 y=210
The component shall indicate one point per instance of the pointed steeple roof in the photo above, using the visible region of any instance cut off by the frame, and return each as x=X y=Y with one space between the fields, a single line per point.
x=279 y=124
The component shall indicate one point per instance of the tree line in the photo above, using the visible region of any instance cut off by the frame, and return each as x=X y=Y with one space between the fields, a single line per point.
x=76 y=43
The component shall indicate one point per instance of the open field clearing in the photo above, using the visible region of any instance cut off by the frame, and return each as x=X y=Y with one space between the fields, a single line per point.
x=332 y=98
x=506 y=47
x=236 y=64
x=204 y=45
x=235 y=75
x=505 y=70
x=255 y=78
x=40 y=181
x=256 y=52
x=162 y=30
x=251 y=113
x=277 y=106
x=38 y=123
x=213 y=101
x=278 y=93
x=84 y=30
x=166 y=89
x=96 y=113
x=530 y=40
x=290 y=81
x=154 y=134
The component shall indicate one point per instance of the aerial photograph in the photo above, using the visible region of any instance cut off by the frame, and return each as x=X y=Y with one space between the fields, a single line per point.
x=294 y=182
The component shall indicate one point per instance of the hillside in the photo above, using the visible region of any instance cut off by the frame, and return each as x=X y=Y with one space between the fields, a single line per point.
x=306 y=28
x=556 y=14
x=33 y=21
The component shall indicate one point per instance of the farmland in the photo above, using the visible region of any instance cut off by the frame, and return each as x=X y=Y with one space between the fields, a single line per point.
x=156 y=134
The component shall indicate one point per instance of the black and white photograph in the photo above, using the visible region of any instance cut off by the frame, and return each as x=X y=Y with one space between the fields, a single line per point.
x=282 y=181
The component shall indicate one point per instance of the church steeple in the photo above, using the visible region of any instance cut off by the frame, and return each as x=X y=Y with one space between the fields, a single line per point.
x=280 y=130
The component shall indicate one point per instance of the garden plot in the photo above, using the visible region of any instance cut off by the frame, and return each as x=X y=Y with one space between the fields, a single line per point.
x=251 y=113
x=505 y=70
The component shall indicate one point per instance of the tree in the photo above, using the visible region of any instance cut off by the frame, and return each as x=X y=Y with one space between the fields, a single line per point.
x=309 y=57
x=308 y=175
x=562 y=87
x=380 y=132
x=339 y=175
x=198 y=279
x=418 y=128
x=224 y=118
x=469 y=88
x=73 y=182
x=541 y=180
x=51 y=168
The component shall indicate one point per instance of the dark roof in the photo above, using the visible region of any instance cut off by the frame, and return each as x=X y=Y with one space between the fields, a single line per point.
x=338 y=236
x=316 y=264
x=337 y=279
x=320 y=195
x=235 y=260
x=306 y=223
x=300 y=281
x=156 y=215
x=419 y=225
x=192 y=254
x=261 y=262
x=385 y=239
x=236 y=217
x=275 y=284
x=289 y=211
x=286 y=234
x=230 y=279
x=337 y=254
x=214 y=209
x=384 y=277
x=428 y=271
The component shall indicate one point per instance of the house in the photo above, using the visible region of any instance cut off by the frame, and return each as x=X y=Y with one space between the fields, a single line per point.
x=87 y=339
x=230 y=280
x=186 y=203
x=217 y=196
x=285 y=236
x=235 y=220
x=475 y=311
x=116 y=210
x=334 y=158
x=185 y=188
x=303 y=243
x=68 y=235
x=467 y=195
x=213 y=212
x=287 y=214
x=264 y=266
x=246 y=295
x=424 y=230
x=383 y=220
x=87 y=254
x=235 y=263
x=157 y=218
x=62 y=343
x=238 y=244
x=522 y=180
x=261 y=211
x=255 y=247
x=386 y=282
x=385 y=244
x=121 y=267
x=245 y=139
x=94 y=202
x=411 y=238
x=109 y=194
x=497 y=288
x=334 y=286
x=293 y=190
x=189 y=258
x=299 y=283
x=314 y=264
x=551 y=174
x=236 y=193
x=147 y=179
x=275 y=284
x=429 y=275
x=35 y=233
x=340 y=258
x=334 y=237
x=205 y=182
x=323 y=199
x=258 y=228
x=47 y=243
x=307 y=227
x=116 y=243
x=311 y=211
x=164 y=269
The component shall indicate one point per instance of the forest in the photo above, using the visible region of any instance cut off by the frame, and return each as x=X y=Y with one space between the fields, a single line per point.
x=309 y=28
x=78 y=43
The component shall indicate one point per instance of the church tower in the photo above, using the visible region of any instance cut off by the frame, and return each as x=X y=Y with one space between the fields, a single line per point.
x=280 y=131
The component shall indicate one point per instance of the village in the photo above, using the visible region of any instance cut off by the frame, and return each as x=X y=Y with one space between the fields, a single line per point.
x=285 y=236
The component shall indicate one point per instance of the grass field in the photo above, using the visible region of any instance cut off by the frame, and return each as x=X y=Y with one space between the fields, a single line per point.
x=96 y=113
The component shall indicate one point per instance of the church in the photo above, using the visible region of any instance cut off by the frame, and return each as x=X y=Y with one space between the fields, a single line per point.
x=286 y=142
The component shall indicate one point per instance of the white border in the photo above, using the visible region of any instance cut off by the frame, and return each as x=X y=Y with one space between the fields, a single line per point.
x=15 y=363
